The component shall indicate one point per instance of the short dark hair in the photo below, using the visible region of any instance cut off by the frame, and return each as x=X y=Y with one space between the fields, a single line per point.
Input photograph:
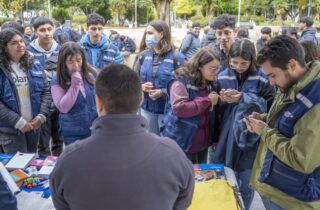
x=195 y=25
x=119 y=87
x=57 y=24
x=27 y=26
x=312 y=52
x=279 y=50
x=243 y=33
x=223 y=21
x=245 y=49
x=293 y=30
x=39 y=21
x=285 y=30
x=122 y=37
x=266 y=30
x=307 y=20
x=95 y=19
x=13 y=24
x=113 y=32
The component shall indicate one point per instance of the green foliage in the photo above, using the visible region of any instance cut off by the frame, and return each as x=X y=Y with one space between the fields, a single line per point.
x=87 y=6
x=200 y=19
x=276 y=23
x=3 y=19
x=105 y=12
x=258 y=19
x=184 y=7
x=142 y=14
x=82 y=19
x=61 y=14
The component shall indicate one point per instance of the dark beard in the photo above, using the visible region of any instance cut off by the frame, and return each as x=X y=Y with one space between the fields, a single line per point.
x=291 y=82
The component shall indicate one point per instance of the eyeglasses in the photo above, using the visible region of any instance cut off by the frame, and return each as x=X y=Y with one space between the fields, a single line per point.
x=225 y=32
x=213 y=68
x=236 y=65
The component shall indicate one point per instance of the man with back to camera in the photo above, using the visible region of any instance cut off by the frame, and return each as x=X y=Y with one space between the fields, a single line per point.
x=122 y=165
x=287 y=165
x=97 y=48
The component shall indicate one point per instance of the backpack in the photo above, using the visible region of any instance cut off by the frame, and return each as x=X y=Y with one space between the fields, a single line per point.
x=68 y=34
x=50 y=67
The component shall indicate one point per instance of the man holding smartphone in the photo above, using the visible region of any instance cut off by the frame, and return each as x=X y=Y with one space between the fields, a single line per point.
x=287 y=164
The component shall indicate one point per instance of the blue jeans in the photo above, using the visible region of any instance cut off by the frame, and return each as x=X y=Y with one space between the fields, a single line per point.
x=269 y=205
x=247 y=193
x=155 y=121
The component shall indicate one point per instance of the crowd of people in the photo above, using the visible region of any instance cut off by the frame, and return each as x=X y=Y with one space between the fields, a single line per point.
x=224 y=99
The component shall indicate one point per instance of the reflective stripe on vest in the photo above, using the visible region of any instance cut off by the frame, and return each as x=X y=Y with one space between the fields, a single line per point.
x=304 y=187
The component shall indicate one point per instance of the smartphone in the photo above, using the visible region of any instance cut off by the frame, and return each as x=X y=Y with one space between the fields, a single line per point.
x=230 y=92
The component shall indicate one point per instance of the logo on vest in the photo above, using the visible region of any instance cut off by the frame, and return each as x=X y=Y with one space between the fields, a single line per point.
x=288 y=114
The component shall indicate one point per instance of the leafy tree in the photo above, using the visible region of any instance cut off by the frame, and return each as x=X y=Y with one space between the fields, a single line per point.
x=162 y=10
x=119 y=6
x=145 y=11
x=184 y=7
x=61 y=14
x=14 y=6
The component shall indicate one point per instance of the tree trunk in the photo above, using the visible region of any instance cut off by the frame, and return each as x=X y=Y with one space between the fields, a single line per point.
x=156 y=6
x=164 y=11
x=17 y=15
x=119 y=16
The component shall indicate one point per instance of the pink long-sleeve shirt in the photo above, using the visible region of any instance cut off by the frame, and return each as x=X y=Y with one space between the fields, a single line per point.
x=199 y=106
x=65 y=100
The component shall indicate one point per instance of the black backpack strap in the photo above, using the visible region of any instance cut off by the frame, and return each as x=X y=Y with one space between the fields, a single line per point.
x=175 y=59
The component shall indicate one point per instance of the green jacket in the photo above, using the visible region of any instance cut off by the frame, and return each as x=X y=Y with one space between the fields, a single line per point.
x=301 y=152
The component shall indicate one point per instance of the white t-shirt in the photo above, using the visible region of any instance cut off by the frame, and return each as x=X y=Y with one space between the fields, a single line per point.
x=20 y=80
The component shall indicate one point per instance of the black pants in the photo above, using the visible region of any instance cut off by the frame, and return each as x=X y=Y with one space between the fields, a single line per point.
x=50 y=129
x=199 y=157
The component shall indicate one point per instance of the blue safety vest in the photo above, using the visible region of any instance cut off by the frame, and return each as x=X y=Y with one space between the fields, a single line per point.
x=159 y=80
x=40 y=56
x=9 y=95
x=76 y=123
x=304 y=187
x=180 y=129
x=105 y=56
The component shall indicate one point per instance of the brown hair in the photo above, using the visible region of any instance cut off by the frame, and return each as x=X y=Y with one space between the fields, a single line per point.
x=165 y=44
x=311 y=51
x=192 y=67
x=245 y=49
x=143 y=45
x=70 y=49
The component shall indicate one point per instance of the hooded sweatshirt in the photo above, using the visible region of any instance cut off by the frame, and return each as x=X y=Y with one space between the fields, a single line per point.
x=95 y=49
x=209 y=38
x=41 y=54
x=190 y=44
x=36 y=45
x=309 y=34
